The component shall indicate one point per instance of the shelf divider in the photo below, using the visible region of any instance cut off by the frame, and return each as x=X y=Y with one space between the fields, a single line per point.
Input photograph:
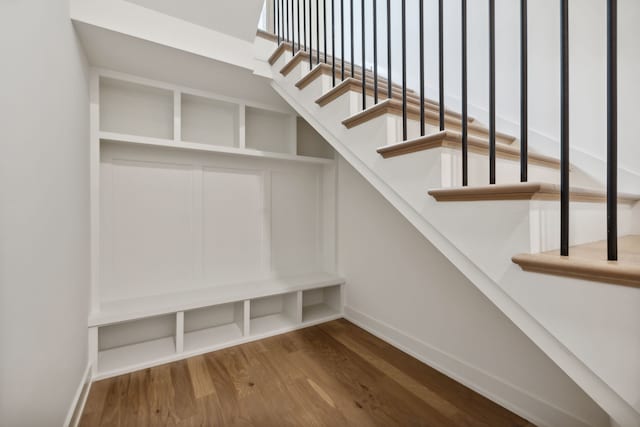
x=179 y=331
x=177 y=116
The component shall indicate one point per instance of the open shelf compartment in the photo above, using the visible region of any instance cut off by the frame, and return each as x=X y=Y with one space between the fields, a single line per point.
x=323 y=303
x=135 y=109
x=209 y=121
x=274 y=313
x=215 y=326
x=270 y=131
x=136 y=343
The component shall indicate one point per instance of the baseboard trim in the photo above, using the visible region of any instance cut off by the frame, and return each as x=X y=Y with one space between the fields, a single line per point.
x=79 y=399
x=535 y=410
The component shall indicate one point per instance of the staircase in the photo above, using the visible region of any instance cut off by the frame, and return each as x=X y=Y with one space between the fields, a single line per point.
x=500 y=236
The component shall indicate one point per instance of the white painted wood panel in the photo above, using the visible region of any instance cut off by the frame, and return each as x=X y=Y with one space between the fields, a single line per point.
x=295 y=221
x=174 y=221
x=233 y=229
x=147 y=228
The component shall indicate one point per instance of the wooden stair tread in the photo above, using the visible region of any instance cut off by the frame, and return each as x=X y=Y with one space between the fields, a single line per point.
x=523 y=191
x=453 y=140
x=305 y=54
x=266 y=35
x=282 y=48
x=394 y=106
x=589 y=262
x=300 y=56
x=353 y=84
x=325 y=69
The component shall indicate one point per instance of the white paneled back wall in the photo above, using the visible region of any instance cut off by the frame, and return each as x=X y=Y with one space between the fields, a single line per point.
x=174 y=220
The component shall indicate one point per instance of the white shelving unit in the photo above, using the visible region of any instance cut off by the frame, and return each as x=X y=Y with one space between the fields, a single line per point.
x=143 y=332
x=194 y=196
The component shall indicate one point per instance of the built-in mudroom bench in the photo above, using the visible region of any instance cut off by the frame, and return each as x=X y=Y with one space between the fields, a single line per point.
x=213 y=223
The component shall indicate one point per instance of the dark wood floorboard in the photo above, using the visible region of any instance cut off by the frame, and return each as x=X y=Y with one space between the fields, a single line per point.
x=334 y=374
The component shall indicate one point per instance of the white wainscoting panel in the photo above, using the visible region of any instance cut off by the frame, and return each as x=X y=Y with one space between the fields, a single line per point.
x=295 y=221
x=233 y=208
x=175 y=221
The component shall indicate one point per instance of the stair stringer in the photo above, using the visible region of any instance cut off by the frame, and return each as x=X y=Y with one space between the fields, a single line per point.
x=599 y=390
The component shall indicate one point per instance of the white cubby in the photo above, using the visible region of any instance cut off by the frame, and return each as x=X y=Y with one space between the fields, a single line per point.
x=274 y=313
x=321 y=303
x=213 y=326
x=135 y=109
x=310 y=143
x=144 y=332
x=133 y=343
x=209 y=121
x=270 y=131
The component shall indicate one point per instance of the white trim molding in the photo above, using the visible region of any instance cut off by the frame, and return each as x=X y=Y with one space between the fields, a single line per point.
x=515 y=399
x=79 y=399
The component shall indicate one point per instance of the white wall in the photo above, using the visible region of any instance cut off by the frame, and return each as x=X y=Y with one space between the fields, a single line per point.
x=44 y=213
x=403 y=288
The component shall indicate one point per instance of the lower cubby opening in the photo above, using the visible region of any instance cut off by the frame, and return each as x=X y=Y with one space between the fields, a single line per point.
x=128 y=344
x=320 y=303
x=213 y=326
x=270 y=314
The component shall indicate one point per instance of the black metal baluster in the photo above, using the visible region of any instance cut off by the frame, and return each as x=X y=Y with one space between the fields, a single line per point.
x=389 y=83
x=364 y=65
x=612 y=130
x=292 y=26
x=286 y=20
x=324 y=27
x=317 y=31
x=279 y=14
x=310 y=35
x=441 y=60
x=276 y=20
x=342 y=40
x=404 y=71
x=524 y=98
x=304 y=24
x=492 y=91
x=298 y=19
x=564 y=129
x=421 y=58
x=333 y=43
x=351 y=20
x=375 y=52
x=465 y=105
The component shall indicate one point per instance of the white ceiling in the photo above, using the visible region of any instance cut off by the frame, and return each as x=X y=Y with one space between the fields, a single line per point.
x=237 y=18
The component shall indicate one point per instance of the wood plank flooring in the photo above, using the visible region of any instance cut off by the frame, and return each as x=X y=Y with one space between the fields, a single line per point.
x=334 y=374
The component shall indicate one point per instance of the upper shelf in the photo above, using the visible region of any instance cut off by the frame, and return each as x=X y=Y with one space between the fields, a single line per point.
x=136 y=308
x=140 y=111
x=183 y=145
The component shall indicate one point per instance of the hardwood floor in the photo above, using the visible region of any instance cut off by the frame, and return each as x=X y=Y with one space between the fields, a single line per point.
x=334 y=374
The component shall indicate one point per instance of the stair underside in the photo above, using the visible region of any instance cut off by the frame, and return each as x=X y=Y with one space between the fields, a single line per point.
x=453 y=140
x=589 y=262
x=523 y=191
